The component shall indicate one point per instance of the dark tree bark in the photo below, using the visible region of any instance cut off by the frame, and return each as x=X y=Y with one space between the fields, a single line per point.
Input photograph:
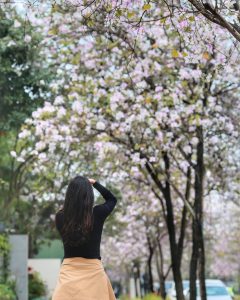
x=200 y=171
x=166 y=191
x=173 y=245
x=198 y=251
x=160 y=269
x=149 y=263
x=184 y=216
x=137 y=275
x=203 y=292
x=194 y=262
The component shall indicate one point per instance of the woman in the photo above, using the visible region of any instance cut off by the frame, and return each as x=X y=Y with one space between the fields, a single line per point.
x=82 y=275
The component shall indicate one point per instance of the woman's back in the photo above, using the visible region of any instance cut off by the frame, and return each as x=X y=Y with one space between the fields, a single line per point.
x=90 y=248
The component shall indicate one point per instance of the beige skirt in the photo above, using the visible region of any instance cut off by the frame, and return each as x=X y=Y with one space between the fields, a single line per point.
x=83 y=279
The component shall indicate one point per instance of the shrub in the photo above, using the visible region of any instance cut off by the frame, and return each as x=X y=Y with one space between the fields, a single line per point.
x=36 y=286
x=4 y=254
x=7 y=292
x=7 y=287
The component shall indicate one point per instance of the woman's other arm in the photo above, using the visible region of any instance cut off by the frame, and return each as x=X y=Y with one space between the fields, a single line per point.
x=110 y=200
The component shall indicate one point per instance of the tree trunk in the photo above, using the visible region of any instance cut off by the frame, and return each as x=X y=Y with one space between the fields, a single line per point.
x=166 y=191
x=137 y=276
x=149 y=262
x=199 y=191
x=194 y=262
x=172 y=236
x=184 y=216
x=203 y=292
x=160 y=270
x=198 y=251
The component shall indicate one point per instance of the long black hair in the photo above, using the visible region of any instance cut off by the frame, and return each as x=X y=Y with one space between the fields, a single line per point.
x=77 y=210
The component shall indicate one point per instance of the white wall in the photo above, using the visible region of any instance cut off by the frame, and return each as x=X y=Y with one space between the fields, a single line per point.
x=18 y=263
x=48 y=269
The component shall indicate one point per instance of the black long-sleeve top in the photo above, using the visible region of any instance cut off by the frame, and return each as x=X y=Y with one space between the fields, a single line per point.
x=90 y=249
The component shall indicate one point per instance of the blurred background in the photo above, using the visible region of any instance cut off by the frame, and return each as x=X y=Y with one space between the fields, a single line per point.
x=144 y=97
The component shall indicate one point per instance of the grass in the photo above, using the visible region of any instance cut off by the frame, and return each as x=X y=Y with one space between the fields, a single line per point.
x=152 y=297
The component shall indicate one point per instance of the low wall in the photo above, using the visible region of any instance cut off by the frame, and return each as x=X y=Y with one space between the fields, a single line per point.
x=18 y=263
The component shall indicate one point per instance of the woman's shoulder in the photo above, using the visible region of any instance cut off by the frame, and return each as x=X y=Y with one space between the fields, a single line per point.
x=59 y=218
x=59 y=213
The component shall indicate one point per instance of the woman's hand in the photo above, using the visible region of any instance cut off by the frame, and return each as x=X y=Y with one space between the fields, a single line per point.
x=92 y=181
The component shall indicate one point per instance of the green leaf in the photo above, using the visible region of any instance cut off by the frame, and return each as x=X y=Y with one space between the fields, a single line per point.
x=175 y=53
x=130 y=14
x=113 y=45
x=187 y=29
x=163 y=20
x=90 y=22
x=146 y=6
x=198 y=119
x=56 y=8
x=108 y=7
x=53 y=31
x=181 y=18
x=75 y=60
x=191 y=19
x=118 y=12
x=136 y=146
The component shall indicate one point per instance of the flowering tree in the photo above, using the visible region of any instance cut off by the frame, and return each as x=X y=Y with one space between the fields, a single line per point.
x=140 y=12
x=142 y=233
x=24 y=86
x=148 y=99
x=224 y=237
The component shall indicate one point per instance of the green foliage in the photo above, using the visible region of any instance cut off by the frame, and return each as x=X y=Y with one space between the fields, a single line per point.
x=22 y=72
x=6 y=145
x=4 y=245
x=4 y=253
x=146 y=6
x=7 y=291
x=39 y=227
x=36 y=286
x=24 y=79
